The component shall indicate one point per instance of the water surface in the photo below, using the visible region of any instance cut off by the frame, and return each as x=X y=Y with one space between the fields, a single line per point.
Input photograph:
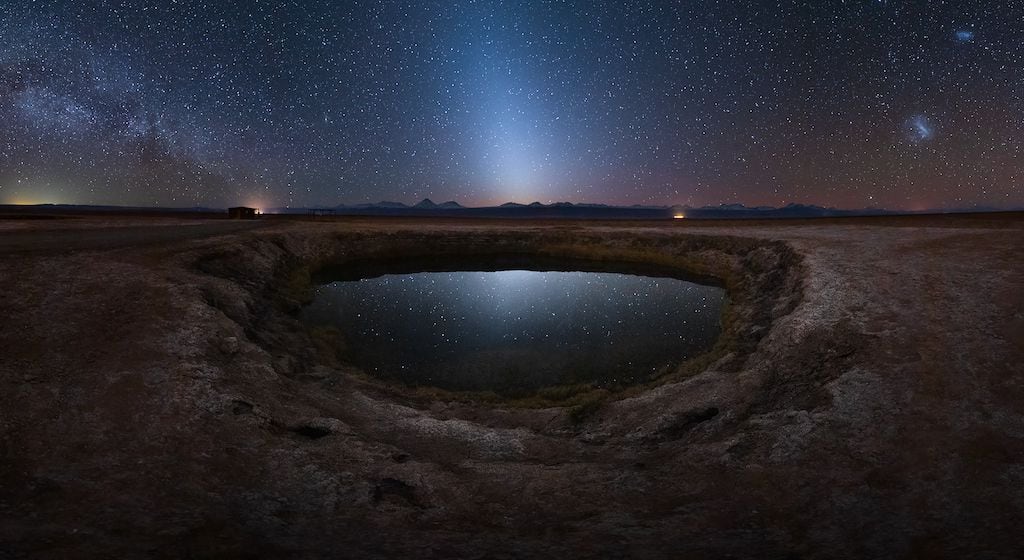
x=516 y=330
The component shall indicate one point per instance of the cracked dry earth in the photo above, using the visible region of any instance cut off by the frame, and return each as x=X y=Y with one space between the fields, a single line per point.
x=157 y=401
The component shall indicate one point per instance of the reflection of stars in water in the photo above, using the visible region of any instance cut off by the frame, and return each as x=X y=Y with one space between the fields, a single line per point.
x=443 y=327
x=920 y=129
x=964 y=36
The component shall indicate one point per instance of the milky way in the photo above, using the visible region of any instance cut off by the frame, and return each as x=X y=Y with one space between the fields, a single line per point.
x=847 y=104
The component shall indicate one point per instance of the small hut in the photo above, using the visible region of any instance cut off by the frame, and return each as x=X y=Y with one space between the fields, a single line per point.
x=242 y=213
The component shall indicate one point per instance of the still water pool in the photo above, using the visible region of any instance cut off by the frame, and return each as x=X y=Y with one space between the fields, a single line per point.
x=518 y=330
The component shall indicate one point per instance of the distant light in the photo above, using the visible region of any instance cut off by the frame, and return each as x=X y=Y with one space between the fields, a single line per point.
x=30 y=200
x=678 y=216
x=964 y=36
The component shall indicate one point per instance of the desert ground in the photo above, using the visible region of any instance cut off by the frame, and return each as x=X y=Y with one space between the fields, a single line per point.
x=159 y=398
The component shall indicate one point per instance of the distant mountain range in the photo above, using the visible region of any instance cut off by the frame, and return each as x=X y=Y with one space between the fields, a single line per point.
x=425 y=204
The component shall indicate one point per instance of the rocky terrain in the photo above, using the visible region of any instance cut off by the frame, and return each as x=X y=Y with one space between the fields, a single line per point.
x=158 y=398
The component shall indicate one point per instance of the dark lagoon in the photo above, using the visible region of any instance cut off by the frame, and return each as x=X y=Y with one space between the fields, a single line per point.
x=512 y=331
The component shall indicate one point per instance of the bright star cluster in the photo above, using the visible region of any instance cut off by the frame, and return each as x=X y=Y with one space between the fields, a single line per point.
x=905 y=105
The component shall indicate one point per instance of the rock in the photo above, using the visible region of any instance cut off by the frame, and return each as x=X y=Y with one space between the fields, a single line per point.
x=675 y=427
x=400 y=457
x=229 y=345
x=318 y=373
x=396 y=491
x=285 y=365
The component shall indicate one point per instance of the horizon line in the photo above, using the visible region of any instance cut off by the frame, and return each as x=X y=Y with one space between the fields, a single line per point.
x=371 y=205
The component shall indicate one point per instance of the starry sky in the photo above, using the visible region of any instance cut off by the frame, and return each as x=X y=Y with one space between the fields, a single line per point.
x=851 y=104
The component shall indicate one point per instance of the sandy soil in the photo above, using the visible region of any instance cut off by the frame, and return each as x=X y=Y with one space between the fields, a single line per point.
x=156 y=400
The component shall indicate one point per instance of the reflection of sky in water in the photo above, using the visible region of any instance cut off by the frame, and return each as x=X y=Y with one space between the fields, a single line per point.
x=519 y=329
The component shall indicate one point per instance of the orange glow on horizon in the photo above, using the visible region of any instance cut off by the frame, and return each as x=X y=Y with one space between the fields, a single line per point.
x=24 y=200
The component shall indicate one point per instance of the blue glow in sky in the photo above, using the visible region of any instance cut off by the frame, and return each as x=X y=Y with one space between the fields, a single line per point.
x=964 y=35
x=921 y=129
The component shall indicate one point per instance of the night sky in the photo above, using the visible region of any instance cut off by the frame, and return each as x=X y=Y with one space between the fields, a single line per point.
x=903 y=105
